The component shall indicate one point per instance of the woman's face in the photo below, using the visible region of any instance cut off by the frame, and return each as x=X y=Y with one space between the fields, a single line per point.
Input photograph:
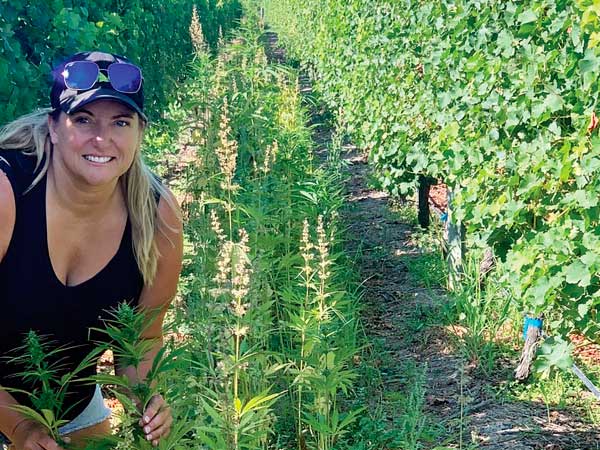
x=96 y=144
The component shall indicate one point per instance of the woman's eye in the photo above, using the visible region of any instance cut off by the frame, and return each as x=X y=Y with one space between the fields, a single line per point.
x=82 y=120
x=122 y=123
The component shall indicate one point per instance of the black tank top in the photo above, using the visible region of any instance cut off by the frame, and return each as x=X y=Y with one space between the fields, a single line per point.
x=33 y=298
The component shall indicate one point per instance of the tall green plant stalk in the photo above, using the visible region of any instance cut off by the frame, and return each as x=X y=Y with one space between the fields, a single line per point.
x=320 y=373
x=307 y=274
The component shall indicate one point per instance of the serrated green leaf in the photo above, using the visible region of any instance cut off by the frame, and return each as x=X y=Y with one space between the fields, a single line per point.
x=578 y=273
x=527 y=16
x=554 y=353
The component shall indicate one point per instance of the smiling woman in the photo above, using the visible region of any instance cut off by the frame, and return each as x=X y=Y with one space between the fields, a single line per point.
x=96 y=144
x=84 y=225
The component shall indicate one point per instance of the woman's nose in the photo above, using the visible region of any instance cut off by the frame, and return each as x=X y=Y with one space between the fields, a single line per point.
x=101 y=135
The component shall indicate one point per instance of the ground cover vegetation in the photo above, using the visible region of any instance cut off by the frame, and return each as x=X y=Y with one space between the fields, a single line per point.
x=496 y=99
x=37 y=35
x=269 y=317
x=263 y=343
x=469 y=338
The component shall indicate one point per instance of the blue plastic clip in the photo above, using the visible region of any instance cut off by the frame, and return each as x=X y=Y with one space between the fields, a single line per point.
x=444 y=217
x=531 y=322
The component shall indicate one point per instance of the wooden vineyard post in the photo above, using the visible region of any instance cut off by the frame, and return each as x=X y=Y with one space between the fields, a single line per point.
x=425 y=184
x=424 y=188
x=532 y=335
x=455 y=245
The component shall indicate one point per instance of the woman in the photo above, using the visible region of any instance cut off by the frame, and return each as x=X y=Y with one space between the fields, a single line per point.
x=84 y=225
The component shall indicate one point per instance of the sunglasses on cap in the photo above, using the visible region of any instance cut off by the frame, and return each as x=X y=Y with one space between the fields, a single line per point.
x=83 y=75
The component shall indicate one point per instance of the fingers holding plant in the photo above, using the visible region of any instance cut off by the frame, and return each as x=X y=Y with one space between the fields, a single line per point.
x=156 y=420
x=29 y=435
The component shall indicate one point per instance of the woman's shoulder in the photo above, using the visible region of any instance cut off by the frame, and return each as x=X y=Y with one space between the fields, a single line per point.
x=168 y=208
x=7 y=212
x=7 y=171
x=19 y=168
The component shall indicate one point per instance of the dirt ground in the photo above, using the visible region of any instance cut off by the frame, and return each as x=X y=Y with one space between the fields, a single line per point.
x=456 y=398
x=393 y=299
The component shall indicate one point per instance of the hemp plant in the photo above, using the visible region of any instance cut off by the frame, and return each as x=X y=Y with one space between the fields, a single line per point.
x=124 y=331
x=196 y=34
x=227 y=153
x=42 y=369
x=239 y=419
x=320 y=370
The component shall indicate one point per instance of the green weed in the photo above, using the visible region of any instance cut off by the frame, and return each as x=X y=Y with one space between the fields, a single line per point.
x=481 y=312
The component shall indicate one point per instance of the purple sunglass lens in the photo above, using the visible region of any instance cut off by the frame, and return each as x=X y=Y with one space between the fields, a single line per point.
x=125 y=78
x=80 y=75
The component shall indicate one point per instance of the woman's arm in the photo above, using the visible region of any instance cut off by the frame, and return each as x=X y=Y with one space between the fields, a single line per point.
x=8 y=419
x=156 y=419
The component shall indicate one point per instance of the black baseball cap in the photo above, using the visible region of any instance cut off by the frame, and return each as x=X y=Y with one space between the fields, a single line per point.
x=70 y=100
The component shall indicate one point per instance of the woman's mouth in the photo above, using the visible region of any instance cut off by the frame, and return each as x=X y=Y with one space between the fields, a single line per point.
x=98 y=159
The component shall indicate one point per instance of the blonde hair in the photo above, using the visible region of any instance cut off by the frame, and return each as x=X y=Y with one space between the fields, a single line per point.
x=30 y=135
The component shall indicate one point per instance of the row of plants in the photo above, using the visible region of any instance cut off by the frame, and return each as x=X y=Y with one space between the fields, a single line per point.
x=266 y=310
x=35 y=36
x=495 y=98
x=263 y=340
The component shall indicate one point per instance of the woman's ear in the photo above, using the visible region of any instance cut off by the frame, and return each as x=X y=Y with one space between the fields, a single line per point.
x=52 y=129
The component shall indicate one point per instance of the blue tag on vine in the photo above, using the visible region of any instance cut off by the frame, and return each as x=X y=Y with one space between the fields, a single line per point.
x=531 y=322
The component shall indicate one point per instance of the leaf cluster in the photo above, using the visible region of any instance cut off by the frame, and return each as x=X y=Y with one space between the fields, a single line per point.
x=35 y=36
x=42 y=367
x=498 y=99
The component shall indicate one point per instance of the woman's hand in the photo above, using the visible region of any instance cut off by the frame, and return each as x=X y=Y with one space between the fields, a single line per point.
x=156 y=420
x=29 y=435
